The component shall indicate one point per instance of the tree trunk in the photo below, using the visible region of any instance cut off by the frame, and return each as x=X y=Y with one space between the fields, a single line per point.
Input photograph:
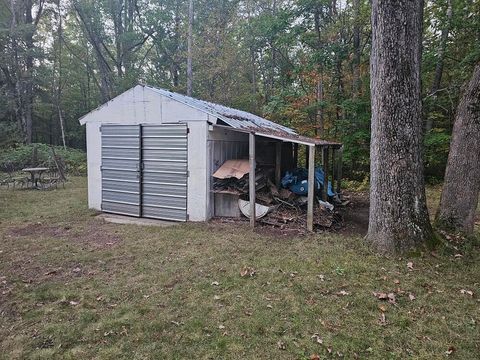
x=319 y=130
x=461 y=188
x=189 y=49
x=28 y=80
x=398 y=213
x=356 y=50
x=440 y=56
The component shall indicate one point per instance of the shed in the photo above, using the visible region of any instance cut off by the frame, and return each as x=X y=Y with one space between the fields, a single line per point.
x=152 y=152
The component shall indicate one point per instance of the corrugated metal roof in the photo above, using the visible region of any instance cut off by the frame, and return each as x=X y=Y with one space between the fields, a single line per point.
x=235 y=118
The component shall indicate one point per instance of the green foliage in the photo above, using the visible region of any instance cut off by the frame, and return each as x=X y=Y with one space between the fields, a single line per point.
x=301 y=63
x=437 y=144
x=9 y=134
x=16 y=158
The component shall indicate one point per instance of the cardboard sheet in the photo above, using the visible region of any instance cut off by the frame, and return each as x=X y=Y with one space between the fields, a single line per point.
x=233 y=168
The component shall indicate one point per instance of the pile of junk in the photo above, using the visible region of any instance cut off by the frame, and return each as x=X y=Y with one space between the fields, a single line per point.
x=283 y=206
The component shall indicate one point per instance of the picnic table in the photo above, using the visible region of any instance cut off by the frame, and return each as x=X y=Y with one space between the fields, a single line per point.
x=35 y=175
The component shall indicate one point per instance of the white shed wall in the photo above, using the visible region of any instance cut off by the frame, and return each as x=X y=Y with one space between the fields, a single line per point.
x=141 y=105
x=222 y=145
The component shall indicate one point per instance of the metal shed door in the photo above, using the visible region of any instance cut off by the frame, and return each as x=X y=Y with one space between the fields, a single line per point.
x=121 y=169
x=164 y=171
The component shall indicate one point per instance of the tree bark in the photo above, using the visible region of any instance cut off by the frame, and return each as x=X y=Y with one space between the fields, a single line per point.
x=356 y=50
x=399 y=217
x=461 y=188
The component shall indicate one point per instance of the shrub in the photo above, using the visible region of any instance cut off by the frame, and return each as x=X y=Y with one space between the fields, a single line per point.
x=17 y=158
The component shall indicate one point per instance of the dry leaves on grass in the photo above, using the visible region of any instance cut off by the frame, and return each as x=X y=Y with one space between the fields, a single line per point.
x=466 y=292
x=247 y=271
x=382 y=320
x=390 y=297
x=410 y=266
x=317 y=338
x=450 y=350
x=342 y=293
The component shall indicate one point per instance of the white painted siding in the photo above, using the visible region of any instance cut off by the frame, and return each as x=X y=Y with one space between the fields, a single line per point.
x=230 y=143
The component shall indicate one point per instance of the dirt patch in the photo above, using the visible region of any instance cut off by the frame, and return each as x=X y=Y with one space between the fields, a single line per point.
x=93 y=233
x=355 y=214
x=38 y=229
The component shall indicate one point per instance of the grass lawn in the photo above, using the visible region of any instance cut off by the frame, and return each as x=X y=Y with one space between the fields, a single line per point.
x=73 y=287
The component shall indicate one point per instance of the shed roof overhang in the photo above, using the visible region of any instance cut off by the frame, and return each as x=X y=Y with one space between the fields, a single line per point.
x=281 y=136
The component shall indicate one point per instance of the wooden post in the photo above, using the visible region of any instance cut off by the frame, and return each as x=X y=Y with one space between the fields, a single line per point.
x=325 y=169
x=334 y=168
x=295 y=155
x=306 y=155
x=278 y=163
x=251 y=178
x=311 y=186
x=339 y=169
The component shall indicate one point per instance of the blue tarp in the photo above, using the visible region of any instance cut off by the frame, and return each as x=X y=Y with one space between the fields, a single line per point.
x=297 y=181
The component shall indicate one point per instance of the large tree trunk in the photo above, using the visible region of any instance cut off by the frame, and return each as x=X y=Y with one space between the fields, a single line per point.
x=459 y=199
x=398 y=213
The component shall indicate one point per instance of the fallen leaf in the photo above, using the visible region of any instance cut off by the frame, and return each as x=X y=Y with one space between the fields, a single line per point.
x=329 y=349
x=269 y=306
x=247 y=271
x=314 y=357
x=281 y=345
x=391 y=298
x=382 y=308
x=381 y=295
x=411 y=297
x=343 y=293
x=458 y=255
x=73 y=303
x=77 y=270
x=215 y=283
x=382 y=319
x=450 y=350
x=317 y=338
x=466 y=292
x=321 y=277
x=51 y=272
x=396 y=281
x=221 y=327
x=410 y=265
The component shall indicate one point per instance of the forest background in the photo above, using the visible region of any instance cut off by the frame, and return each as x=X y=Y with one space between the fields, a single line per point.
x=301 y=63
